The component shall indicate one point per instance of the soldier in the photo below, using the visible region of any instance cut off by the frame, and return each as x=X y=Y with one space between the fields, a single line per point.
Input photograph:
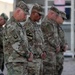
x=63 y=44
x=15 y=42
x=52 y=45
x=3 y=19
x=35 y=39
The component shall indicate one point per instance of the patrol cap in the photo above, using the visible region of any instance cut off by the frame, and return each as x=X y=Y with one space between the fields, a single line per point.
x=23 y=6
x=54 y=9
x=4 y=16
x=38 y=8
x=62 y=14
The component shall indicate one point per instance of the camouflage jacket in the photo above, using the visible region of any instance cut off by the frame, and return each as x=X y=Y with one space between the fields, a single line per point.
x=35 y=38
x=50 y=32
x=61 y=36
x=15 y=42
x=1 y=39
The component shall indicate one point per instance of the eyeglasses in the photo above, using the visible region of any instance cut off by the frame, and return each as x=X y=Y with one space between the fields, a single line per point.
x=63 y=18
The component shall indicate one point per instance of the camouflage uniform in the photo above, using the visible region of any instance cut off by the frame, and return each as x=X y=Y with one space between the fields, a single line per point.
x=51 y=42
x=1 y=43
x=1 y=48
x=59 y=55
x=15 y=46
x=35 y=42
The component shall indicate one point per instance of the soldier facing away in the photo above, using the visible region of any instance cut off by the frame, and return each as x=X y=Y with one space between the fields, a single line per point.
x=35 y=39
x=52 y=45
x=3 y=19
x=15 y=42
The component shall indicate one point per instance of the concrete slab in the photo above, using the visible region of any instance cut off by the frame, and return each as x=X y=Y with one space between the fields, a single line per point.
x=69 y=66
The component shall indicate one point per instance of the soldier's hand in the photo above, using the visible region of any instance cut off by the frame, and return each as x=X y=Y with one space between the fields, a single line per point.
x=30 y=57
x=58 y=49
x=65 y=47
x=43 y=55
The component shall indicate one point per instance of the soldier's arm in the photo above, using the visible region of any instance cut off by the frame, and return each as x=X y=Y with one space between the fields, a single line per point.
x=63 y=42
x=50 y=37
x=13 y=41
x=64 y=45
x=29 y=35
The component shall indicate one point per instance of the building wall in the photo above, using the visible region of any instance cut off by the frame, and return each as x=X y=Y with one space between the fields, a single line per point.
x=6 y=8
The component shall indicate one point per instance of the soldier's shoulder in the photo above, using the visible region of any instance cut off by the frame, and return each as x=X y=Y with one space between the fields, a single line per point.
x=10 y=26
x=27 y=24
x=9 y=22
x=44 y=19
x=46 y=22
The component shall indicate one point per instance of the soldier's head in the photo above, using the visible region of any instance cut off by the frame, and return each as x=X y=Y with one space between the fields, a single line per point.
x=53 y=13
x=36 y=12
x=3 y=19
x=21 y=11
x=62 y=16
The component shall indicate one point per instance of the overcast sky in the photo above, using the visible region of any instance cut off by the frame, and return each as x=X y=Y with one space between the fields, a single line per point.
x=9 y=1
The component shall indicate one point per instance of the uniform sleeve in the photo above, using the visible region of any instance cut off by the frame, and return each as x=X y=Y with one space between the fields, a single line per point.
x=39 y=41
x=49 y=34
x=62 y=37
x=13 y=41
x=1 y=41
x=29 y=35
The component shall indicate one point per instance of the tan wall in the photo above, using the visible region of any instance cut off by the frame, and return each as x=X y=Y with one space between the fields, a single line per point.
x=6 y=8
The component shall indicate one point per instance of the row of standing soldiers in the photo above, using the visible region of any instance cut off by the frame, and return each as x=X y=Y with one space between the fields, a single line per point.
x=32 y=49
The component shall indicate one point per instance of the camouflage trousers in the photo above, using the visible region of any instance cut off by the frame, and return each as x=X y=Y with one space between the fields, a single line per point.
x=16 y=68
x=1 y=61
x=34 y=67
x=49 y=64
x=59 y=62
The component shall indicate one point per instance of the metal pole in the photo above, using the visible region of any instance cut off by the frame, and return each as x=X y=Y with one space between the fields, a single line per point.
x=72 y=27
x=46 y=7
